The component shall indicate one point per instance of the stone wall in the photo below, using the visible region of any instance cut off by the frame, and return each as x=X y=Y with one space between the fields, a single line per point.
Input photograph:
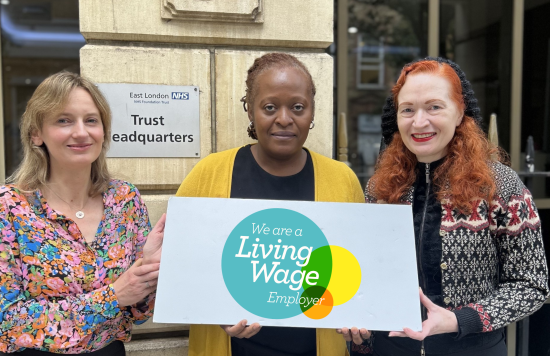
x=209 y=44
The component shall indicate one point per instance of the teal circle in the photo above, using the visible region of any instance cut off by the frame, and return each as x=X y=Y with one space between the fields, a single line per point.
x=270 y=299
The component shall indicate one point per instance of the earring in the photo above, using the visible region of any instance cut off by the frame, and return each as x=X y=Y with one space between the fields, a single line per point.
x=312 y=125
x=243 y=100
x=252 y=131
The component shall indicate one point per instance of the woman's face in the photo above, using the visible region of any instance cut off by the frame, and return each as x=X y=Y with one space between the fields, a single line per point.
x=282 y=111
x=427 y=116
x=75 y=136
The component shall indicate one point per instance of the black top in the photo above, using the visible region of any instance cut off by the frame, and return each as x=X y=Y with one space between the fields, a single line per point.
x=427 y=223
x=250 y=181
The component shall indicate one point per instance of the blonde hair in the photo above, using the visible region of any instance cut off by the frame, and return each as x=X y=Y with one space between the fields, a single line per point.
x=50 y=98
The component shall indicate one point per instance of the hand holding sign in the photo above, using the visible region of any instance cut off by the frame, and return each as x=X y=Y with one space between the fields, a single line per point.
x=153 y=247
x=358 y=336
x=440 y=321
x=240 y=330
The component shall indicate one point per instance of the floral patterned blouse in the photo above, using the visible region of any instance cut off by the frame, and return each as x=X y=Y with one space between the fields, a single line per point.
x=56 y=291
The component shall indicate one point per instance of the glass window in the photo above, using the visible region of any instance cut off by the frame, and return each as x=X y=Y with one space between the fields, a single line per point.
x=39 y=38
x=383 y=36
x=477 y=36
x=535 y=123
x=535 y=116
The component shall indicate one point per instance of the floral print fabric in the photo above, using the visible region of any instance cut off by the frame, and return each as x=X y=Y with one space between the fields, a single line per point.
x=56 y=291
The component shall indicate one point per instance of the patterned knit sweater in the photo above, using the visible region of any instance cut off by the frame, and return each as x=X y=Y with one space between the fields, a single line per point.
x=495 y=257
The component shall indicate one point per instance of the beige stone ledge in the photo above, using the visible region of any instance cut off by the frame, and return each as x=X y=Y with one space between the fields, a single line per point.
x=150 y=327
x=286 y=23
x=176 y=346
x=232 y=121
x=247 y=11
x=152 y=65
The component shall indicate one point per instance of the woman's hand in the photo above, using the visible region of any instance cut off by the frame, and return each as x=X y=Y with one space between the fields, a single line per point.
x=240 y=330
x=358 y=336
x=153 y=247
x=440 y=321
x=136 y=283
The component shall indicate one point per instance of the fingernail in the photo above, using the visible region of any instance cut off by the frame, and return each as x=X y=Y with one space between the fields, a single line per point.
x=354 y=332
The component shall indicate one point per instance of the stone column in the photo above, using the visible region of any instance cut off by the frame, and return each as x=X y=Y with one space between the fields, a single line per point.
x=209 y=44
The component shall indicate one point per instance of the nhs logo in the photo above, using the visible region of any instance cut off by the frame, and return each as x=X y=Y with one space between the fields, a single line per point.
x=180 y=96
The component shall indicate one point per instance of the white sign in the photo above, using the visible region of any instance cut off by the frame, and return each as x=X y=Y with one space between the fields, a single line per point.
x=286 y=263
x=153 y=120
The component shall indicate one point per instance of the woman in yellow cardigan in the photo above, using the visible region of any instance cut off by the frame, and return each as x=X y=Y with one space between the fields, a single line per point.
x=280 y=104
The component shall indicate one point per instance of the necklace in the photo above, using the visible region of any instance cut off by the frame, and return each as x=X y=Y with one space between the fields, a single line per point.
x=79 y=213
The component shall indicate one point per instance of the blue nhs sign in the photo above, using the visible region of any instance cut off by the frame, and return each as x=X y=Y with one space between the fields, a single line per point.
x=180 y=95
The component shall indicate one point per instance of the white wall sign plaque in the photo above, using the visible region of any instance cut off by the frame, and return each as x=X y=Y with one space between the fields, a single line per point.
x=286 y=263
x=153 y=120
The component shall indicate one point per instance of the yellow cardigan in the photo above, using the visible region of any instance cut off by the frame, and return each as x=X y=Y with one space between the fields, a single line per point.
x=211 y=177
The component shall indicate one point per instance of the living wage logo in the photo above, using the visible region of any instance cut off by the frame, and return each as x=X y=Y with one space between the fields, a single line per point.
x=277 y=263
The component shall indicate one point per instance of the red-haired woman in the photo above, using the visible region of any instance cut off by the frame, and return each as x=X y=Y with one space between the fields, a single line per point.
x=481 y=260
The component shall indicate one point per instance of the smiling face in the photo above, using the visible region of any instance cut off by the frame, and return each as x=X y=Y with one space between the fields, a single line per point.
x=427 y=116
x=75 y=136
x=282 y=111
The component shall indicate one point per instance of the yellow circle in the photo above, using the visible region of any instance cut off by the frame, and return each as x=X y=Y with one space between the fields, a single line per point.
x=346 y=275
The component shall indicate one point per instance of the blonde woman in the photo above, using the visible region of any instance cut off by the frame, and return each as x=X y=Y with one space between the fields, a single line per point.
x=75 y=269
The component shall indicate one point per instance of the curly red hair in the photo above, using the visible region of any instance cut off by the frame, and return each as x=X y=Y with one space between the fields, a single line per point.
x=464 y=174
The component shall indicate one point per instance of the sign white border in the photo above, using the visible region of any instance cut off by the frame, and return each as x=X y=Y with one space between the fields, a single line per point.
x=191 y=288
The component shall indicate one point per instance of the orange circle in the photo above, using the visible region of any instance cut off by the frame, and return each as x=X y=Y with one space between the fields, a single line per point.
x=322 y=308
